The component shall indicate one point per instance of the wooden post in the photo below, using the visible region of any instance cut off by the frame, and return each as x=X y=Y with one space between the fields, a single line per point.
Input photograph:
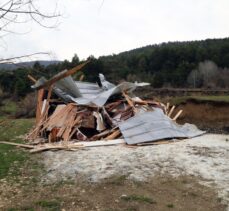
x=177 y=115
x=171 y=111
x=40 y=96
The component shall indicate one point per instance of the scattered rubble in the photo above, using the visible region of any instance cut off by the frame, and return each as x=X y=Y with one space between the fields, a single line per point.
x=74 y=114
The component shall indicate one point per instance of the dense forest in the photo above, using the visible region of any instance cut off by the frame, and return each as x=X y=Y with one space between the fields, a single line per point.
x=193 y=64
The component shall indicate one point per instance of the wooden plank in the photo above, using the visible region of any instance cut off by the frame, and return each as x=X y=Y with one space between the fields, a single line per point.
x=82 y=77
x=100 y=135
x=48 y=98
x=78 y=145
x=17 y=144
x=100 y=143
x=129 y=101
x=62 y=75
x=43 y=118
x=40 y=149
x=72 y=120
x=114 y=135
x=171 y=111
x=32 y=78
x=99 y=121
x=167 y=107
x=40 y=96
x=88 y=121
x=177 y=115
x=57 y=119
x=159 y=142
x=111 y=106
x=53 y=135
x=67 y=122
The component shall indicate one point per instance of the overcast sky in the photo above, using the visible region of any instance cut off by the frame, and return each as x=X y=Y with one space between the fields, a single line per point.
x=94 y=27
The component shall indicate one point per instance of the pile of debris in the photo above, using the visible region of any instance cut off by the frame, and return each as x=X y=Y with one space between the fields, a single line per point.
x=73 y=114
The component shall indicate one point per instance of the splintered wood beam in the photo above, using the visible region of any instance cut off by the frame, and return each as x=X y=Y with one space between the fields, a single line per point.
x=177 y=115
x=114 y=135
x=171 y=111
x=78 y=145
x=82 y=77
x=167 y=107
x=17 y=144
x=158 y=142
x=141 y=102
x=100 y=135
x=62 y=75
x=32 y=78
x=40 y=96
x=47 y=102
x=129 y=101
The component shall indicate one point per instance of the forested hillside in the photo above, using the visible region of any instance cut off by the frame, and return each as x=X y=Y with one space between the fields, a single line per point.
x=192 y=64
x=170 y=64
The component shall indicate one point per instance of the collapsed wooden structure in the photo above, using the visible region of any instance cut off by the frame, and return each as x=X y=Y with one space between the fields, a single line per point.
x=111 y=116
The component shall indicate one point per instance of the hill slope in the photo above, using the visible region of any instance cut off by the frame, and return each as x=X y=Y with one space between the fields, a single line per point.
x=168 y=63
x=44 y=63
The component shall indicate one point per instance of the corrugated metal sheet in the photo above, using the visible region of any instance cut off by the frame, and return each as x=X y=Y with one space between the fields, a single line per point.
x=155 y=125
x=101 y=98
x=69 y=86
x=88 y=90
x=85 y=93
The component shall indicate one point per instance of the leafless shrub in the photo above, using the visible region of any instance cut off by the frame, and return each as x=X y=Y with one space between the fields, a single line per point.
x=27 y=106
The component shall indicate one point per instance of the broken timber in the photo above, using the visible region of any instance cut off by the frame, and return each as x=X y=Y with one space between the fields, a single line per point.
x=83 y=114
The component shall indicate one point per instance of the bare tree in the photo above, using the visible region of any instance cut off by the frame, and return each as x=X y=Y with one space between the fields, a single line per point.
x=16 y=12
x=17 y=59
x=24 y=11
x=195 y=79
x=208 y=75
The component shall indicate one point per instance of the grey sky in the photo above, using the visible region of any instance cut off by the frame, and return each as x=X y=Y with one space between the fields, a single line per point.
x=88 y=28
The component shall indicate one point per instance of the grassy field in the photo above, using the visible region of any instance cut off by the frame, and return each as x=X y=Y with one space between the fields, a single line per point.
x=8 y=107
x=10 y=130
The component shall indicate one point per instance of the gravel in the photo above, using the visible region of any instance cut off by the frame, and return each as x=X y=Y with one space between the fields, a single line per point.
x=205 y=157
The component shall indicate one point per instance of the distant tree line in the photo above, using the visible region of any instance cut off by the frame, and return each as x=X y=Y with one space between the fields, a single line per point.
x=193 y=64
x=170 y=64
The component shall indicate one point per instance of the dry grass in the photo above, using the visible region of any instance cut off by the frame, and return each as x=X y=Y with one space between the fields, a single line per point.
x=27 y=107
x=184 y=99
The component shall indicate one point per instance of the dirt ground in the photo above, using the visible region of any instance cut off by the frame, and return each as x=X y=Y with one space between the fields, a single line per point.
x=187 y=175
x=210 y=116
x=116 y=193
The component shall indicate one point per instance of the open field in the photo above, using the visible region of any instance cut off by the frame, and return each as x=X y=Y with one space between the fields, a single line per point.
x=188 y=175
x=8 y=107
x=11 y=158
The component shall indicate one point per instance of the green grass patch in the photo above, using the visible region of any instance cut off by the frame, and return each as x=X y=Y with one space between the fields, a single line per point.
x=117 y=180
x=43 y=205
x=49 y=205
x=184 y=99
x=9 y=107
x=170 y=205
x=10 y=129
x=138 y=198
x=21 y=209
